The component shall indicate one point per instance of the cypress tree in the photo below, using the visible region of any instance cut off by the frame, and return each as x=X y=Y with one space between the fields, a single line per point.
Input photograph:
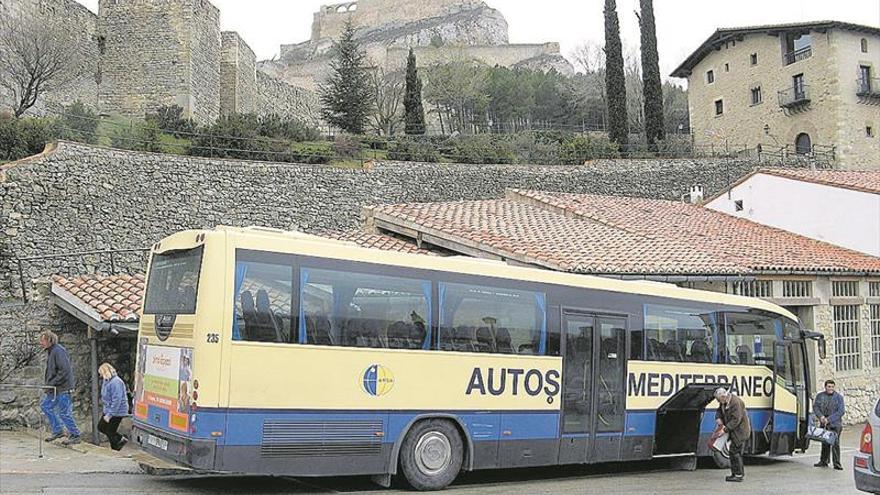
x=615 y=81
x=346 y=98
x=653 y=89
x=414 y=112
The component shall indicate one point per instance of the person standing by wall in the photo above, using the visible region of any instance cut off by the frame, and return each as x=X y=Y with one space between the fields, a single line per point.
x=829 y=408
x=115 y=405
x=732 y=415
x=57 y=404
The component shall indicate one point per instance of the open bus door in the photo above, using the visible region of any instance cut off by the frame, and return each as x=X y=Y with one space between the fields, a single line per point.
x=789 y=398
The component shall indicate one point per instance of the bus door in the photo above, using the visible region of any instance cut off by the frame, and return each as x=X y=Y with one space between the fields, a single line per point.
x=577 y=389
x=788 y=390
x=593 y=395
x=609 y=375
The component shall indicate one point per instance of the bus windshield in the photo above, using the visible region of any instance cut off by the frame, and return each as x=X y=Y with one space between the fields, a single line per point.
x=173 y=282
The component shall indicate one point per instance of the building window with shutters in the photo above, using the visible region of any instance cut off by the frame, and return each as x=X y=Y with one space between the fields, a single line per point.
x=757 y=96
x=719 y=107
x=847 y=342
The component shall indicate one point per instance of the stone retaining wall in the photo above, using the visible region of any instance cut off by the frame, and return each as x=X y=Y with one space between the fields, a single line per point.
x=80 y=197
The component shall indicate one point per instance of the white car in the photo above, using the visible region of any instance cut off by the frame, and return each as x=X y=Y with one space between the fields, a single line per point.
x=866 y=466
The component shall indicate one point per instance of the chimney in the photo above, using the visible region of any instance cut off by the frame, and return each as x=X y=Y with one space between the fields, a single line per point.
x=696 y=195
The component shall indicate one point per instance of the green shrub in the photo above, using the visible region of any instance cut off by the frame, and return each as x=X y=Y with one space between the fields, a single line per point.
x=144 y=136
x=536 y=148
x=482 y=149
x=413 y=150
x=77 y=123
x=310 y=153
x=23 y=137
x=373 y=142
x=582 y=147
x=169 y=119
x=276 y=126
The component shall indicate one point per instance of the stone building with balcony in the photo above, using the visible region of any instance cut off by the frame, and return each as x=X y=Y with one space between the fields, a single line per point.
x=797 y=89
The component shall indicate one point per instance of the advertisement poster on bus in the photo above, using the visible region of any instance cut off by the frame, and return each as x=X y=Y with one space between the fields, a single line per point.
x=163 y=380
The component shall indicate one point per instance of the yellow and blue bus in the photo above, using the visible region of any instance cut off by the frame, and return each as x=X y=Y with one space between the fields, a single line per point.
x=261 y=351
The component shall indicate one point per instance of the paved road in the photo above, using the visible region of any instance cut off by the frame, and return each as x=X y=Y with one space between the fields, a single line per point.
x=787 y=476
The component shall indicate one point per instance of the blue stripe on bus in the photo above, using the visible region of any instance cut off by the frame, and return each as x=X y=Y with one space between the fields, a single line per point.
x=784 y=422
x=640 y=423
x=759 y=418
x=244 y=427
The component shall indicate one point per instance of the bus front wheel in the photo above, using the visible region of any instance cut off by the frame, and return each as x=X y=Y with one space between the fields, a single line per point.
x=431 y=455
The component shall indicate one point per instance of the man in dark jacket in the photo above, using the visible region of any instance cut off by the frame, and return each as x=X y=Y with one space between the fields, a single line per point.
x=57 y=404
x=732 y=415
x=828 y=408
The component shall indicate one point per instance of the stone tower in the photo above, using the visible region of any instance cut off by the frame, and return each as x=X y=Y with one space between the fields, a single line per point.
x=159 y=52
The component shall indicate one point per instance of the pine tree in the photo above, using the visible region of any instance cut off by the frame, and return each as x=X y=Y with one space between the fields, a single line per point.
x=346 y=98
x=414 y=113
x=615 y=81
x=653 y=89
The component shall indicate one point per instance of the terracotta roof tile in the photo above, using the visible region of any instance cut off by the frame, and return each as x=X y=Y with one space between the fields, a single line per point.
x=378 y=241
x=606 y=234
x=106 y=294
x=866 y=181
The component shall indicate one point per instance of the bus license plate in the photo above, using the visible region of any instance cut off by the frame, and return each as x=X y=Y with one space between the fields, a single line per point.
x=157 y=442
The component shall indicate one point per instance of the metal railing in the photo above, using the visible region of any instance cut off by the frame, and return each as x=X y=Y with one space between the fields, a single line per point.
x=41 y=388
x=112 y=258
x=797 y=55
x=868 y=87
x=794 y=96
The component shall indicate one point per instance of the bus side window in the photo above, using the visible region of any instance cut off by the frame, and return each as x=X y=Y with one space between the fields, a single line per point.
x=678 y=334
x=263 y=295
x=351 y=309
x=494 y=320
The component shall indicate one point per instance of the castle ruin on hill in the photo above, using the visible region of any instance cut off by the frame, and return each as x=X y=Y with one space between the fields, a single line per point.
x=437 y=30
x=143 y=54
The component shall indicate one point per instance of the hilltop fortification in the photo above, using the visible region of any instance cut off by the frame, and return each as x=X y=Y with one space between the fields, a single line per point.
x=439 y=30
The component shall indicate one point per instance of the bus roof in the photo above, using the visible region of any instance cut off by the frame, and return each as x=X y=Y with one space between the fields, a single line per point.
x=313 y=245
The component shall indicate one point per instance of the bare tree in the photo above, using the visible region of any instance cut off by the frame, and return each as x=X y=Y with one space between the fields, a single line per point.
x=388 y=88
x=36 y=56
x=589 y=58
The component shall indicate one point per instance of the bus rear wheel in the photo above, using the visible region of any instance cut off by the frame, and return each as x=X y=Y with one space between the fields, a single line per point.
x=431 y=455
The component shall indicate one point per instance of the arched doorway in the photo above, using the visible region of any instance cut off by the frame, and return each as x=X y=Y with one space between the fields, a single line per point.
x=803 y=144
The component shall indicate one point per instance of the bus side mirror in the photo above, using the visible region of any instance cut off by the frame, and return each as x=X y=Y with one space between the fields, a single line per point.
x=820 y=341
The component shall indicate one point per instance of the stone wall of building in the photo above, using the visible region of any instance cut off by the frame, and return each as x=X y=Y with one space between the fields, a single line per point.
x=155 y=53
x=275 y=96
x=238 y=75
x=81 y=25
x=834 y=116
x=23 y=363
x=857 y=149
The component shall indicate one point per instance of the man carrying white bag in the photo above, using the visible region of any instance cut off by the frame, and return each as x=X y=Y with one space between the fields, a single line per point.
x=828 y=408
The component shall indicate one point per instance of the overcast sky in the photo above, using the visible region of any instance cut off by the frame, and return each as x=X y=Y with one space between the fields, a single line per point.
x=681 y=24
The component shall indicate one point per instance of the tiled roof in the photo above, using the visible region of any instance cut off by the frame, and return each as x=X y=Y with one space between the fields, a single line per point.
x=112 y=297
x=722 y=35
x=378 y=241
x=589 y=233
x=865 y=181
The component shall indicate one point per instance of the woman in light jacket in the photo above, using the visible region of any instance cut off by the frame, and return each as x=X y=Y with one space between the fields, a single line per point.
x=115 y=402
